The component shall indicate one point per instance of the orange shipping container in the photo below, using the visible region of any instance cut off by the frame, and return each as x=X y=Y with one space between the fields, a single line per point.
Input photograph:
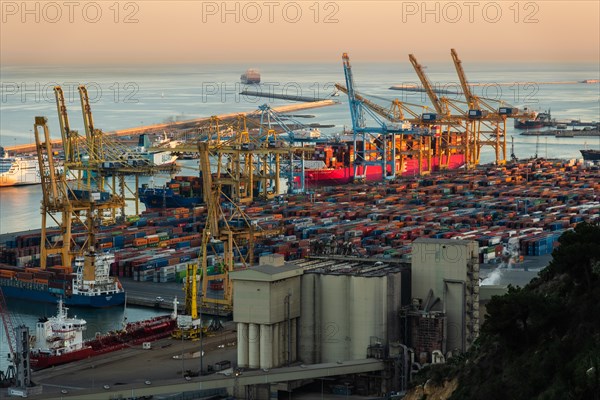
x=140 y=242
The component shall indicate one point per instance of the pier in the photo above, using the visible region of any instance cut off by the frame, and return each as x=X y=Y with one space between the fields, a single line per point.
x=563 y=133
x=181 y=125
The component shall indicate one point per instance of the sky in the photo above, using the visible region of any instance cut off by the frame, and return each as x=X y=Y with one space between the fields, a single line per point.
x=107 y=32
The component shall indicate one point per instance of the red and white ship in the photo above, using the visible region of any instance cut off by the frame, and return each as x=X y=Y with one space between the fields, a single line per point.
x=59 y=339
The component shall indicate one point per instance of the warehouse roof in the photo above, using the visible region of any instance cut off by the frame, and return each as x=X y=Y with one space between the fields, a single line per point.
x=267 y=273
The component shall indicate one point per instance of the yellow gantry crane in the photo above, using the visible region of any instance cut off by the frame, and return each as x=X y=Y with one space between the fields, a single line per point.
x=102 y=157
x=83 y=205
x=230 y=227
x=487 y=124
x=453 y=127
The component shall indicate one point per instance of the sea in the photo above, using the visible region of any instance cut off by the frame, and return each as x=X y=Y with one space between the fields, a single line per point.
x=129 y=96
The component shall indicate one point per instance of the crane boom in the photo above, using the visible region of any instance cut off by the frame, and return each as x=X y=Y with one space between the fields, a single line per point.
x=65 y=128
x=93 y=135
x=382 y=111
x=209 y=193
x=472 y=100
x=396 y=112
x=435 y=100
x=355 y=110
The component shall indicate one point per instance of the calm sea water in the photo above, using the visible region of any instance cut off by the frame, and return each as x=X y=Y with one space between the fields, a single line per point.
x=124 y=97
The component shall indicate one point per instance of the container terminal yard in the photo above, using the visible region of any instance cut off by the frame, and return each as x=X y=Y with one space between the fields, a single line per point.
x=505 y=212
x=346 y=289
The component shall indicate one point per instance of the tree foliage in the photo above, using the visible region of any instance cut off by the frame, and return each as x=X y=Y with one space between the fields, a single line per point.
x=543 y=341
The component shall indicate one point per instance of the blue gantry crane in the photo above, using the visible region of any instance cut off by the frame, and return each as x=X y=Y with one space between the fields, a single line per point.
x=374 y=145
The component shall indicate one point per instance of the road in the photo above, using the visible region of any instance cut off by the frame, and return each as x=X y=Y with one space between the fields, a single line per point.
x=136 y=366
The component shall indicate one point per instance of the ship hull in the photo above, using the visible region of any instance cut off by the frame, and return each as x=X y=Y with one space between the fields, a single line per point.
x=339 y=176
x=529 y=124
x=146 y=331
x=42 y=361
x=10 y=181
x=590 y=155
x=45 y=296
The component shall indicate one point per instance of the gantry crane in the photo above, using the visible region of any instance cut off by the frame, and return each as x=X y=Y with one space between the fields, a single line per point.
x=18 y=373
x=104 y=157
x=487 y=124
x=83 y=205
x=455 y=128
x=377 y=145
x=283 y=143
x=424 y=147
x=248 y=165
x=9 y=376
x=230 y=227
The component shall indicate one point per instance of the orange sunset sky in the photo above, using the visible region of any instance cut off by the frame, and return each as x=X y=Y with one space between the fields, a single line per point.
x=172 y=32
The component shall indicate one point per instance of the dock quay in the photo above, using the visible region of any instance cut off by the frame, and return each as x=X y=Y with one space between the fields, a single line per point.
x=279 y=96
x=563 y=133
x=415 y=87
x=182 y=125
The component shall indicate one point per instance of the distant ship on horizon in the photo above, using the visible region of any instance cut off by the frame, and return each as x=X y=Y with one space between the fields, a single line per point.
x=250 y=77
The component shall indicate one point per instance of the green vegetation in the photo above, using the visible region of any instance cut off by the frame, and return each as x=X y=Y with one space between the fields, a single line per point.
x=542 y=341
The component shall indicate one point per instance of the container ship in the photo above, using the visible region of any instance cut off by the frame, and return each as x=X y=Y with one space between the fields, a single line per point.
x=59 y=339
x=89 y=286
x=181 y=191
x=332 y=162
x=16 y=171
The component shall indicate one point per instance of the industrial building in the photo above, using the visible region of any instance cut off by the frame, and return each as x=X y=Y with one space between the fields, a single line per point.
x=349 y=305
x=335 y=309
x=266 y=309
x=445 y=292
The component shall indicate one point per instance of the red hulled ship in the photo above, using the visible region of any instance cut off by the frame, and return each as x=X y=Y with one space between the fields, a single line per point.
x=59 y=339
x=334 y=163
